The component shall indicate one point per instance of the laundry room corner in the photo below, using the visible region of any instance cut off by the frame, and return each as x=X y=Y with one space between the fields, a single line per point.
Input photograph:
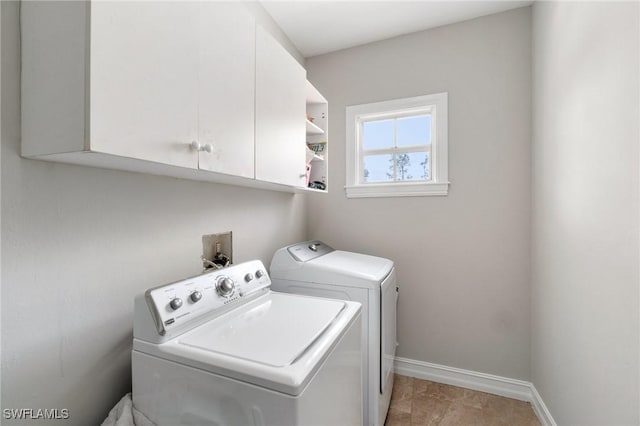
x=462 y=259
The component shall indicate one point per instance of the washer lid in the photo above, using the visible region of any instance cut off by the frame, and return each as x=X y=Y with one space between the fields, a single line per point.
x=274 y=333
x=275 y=340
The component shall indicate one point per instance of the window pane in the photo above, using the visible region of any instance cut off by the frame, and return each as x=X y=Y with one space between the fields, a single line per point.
x=377 y=134
x=413 y=166
x=378 y=168
x=409 y=166
x=414 y=130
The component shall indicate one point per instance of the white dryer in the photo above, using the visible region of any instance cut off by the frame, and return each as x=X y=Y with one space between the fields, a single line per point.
x=222 y=349
x=315 y=269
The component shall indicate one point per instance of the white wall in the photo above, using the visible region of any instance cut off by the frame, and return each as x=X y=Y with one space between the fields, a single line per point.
x=463 y=260
x=585 y=292
x=77 y=245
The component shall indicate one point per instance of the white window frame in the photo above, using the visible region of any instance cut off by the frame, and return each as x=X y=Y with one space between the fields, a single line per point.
x=436 y=105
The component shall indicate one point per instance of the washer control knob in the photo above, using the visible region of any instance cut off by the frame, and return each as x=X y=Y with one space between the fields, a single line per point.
x=225 y=286
x=248 y=277
x=259 y=273
x=195 y=296
x=175 y=303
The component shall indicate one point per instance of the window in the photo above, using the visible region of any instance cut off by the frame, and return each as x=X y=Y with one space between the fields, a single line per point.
x=398 y=148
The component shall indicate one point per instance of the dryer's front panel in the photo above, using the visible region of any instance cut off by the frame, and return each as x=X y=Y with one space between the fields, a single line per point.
x=388 y=302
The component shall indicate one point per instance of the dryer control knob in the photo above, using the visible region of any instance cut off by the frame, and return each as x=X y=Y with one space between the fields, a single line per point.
x=248 y=277
x=195 y=296
x=225 y=286
x=259 y=273
x=175 y=303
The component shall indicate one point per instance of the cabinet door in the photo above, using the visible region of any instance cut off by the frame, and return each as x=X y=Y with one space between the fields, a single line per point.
x=226 y=88
x=280 y=113
x=144 y=80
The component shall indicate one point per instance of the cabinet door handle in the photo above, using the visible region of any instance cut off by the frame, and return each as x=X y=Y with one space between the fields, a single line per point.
x=197 y=146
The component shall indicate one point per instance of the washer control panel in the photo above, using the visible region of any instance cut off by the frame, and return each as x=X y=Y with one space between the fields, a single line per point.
x=177 y=303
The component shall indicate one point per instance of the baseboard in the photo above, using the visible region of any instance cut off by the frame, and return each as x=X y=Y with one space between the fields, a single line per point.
x=503 y=386
x=497 y=385
x=541 y=410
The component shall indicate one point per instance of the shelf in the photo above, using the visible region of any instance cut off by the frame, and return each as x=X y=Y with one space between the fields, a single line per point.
x=322 y=191
x=317 y=137
x=312 y=129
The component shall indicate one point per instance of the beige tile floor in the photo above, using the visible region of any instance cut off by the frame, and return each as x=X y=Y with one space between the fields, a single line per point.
x=420 y=402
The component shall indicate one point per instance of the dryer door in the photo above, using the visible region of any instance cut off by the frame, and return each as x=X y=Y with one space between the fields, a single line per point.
x=388 y=302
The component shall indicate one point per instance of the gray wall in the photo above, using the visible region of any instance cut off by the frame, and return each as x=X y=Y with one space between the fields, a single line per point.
x=77 y=245
x=585 y=218
x=463 y=260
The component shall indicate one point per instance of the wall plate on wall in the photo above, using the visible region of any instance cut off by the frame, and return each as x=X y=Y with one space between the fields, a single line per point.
x=216 y=247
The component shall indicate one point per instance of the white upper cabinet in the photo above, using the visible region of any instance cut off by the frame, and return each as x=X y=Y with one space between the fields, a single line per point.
x=186 y=89
x=280 y=112
x=144 y=84
x=227 y=88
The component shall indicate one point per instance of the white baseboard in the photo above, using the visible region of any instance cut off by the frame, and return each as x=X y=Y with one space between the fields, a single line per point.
x=497 y=385
x=503 y=386
x=541 y=410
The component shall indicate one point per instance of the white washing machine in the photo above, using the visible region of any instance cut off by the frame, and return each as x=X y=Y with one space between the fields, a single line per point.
x=223 y=349
x=315 y=269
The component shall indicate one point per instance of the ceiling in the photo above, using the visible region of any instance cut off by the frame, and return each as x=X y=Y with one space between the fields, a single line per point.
x=318 y=27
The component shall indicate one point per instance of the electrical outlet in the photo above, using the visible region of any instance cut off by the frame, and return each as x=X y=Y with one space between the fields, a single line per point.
x=215 y=245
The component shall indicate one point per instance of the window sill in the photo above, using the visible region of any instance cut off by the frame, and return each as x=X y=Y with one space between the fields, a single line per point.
x=398 y=190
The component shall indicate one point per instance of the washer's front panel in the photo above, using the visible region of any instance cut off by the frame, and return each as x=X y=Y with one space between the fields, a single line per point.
x=171 y=394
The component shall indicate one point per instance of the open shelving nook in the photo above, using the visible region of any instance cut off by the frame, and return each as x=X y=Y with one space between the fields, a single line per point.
x=317 y=125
